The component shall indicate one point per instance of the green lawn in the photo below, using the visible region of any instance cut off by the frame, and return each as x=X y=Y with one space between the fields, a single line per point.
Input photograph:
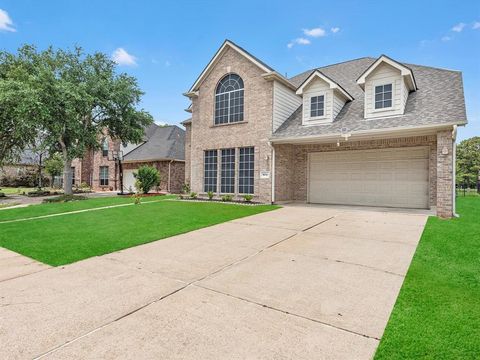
x=54 y=208
x=68 y=238
x=437 y=314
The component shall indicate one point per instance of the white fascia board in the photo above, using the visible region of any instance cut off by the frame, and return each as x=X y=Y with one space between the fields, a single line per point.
x=273 y=75
x=332 y=84
x=217 y=55
x=367 y=134
x=404 y=71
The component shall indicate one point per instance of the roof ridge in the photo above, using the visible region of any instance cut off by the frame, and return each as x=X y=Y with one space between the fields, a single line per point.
x=346 y=61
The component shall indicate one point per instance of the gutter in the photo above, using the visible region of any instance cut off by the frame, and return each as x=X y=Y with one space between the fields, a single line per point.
x=363 y=133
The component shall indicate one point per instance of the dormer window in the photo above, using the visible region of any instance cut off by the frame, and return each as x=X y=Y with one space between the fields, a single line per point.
x=317 y=105
x=383 y=96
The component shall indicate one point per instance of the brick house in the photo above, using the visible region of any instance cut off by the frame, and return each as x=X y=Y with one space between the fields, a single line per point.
x=163 y=147
x=370 y=131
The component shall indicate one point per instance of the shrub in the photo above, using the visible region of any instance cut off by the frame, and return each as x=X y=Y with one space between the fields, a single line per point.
x=137 y=199
x=65 y=198
x=248 y=198
x=147 y=178
x=193 y=195
x=186 y=188
x=227 y=197
x=2 y=194
x=37 y=193
x=210 y=195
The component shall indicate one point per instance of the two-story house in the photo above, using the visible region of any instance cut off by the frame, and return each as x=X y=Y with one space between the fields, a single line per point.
x=374 y=132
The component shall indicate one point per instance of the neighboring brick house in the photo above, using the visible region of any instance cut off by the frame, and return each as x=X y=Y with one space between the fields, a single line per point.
x=163 y=147
x=368 y=131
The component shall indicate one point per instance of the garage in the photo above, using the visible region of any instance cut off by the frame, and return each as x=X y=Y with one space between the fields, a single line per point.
x=388 y=177
x=129 y=180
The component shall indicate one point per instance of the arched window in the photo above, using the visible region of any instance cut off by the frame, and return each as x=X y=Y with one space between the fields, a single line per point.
x=105 y=146
x=229 y=100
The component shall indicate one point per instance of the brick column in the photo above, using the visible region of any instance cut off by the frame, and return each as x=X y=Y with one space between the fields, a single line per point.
x=445 y=174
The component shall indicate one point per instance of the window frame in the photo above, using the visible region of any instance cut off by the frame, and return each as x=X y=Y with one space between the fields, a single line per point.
x=101 y=180
x=319 y=102
x=215 y=165
x=228 y=99
x=231 y=172
x=249 y=169
x=374 y=96
x=72 y=169
x=104 y=147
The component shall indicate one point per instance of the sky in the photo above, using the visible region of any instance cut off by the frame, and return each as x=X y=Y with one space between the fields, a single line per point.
x=166 y=45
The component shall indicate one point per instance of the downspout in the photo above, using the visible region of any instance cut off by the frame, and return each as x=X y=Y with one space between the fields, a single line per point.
x=454 y=169
x=273 y=171
x=169 y=188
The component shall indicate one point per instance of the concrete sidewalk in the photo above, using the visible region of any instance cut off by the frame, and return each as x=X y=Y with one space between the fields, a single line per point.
x=300 y=282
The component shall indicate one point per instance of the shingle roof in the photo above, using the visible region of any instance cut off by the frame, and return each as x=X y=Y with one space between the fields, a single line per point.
x=438 y=100
x=162 y=142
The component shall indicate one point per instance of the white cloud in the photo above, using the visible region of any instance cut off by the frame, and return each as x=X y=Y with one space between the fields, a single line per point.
x=335 y=30
x=315 y=32
x=459 y=27
x=299 y=41
x=446 y=38
x=476 y=25
x=122 y=57
x=6 y=24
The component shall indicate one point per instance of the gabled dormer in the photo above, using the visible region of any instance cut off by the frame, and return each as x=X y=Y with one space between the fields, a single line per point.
x=386 y=84
x=323 y=99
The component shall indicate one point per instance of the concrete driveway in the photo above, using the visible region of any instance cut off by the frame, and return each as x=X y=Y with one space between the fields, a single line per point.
x=302 y=282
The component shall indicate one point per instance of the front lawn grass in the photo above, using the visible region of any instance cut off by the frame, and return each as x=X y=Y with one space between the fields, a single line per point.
x=437 y=314
x=56 y=208
x=68 y=238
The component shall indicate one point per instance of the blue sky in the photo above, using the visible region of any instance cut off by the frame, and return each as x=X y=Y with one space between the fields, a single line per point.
x=166 y=45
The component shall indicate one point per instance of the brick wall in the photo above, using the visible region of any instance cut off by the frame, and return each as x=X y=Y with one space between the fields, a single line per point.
x=292 y=159
x=177 y=173
x=254 y=131
x=445 y=157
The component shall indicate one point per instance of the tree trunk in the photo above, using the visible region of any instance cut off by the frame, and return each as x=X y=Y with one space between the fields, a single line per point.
x=67 y=176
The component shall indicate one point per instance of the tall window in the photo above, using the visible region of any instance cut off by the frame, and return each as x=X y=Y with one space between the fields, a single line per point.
x=73 y=175
x=227 y=184
x=229 y=100
x=246 y=170
x=210 y=171
x=383 y=96
x=317 y=104
x=103 y=175
x=105 y=147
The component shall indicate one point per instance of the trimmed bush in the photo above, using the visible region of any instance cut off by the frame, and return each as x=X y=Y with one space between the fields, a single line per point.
x=147 y=178
x=193 y=195
x=210 y=195
x=65 y=198
x=227 y=197
x=248 y=198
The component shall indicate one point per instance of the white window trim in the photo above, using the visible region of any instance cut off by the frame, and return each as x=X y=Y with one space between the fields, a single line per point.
x=308 y=120
x=383 y=83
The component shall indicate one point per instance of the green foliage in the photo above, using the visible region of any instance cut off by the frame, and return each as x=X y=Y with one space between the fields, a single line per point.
x=64 y=198
x=2 y=194
x=54 y=165
x=248 y=197
x=186 y=188
x=468 y=161
x=210 y=195
x=193 y=195
x=147 y=178
x=70 y=97
x=227 y=197
x=137 y=199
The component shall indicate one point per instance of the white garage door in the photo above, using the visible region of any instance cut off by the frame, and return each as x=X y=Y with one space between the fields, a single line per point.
x=129 y=180
x=390 y=177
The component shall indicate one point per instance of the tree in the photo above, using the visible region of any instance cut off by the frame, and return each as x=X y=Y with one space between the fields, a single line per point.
x=54 y=166
x=468 y=161
x=147 y=177
x=72 y=97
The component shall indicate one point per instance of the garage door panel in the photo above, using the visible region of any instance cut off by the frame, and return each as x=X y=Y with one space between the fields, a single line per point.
x=388 y=177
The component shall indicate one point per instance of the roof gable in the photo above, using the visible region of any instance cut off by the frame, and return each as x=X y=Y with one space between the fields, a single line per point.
x=226 y=45
x=333 y=85
x=405 y=71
